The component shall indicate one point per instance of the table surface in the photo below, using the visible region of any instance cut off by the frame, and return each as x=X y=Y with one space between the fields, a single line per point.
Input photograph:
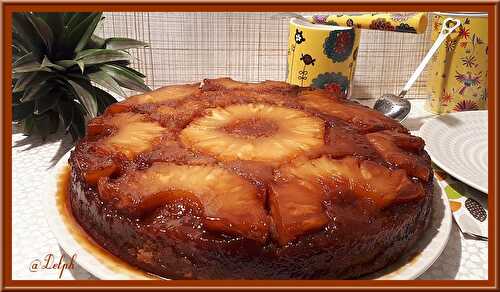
x=32 y=238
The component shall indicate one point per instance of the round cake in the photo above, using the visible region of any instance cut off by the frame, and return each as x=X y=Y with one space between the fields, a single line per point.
x=232 y=180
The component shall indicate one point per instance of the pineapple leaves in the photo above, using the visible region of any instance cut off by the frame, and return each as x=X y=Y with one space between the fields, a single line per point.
x=70 y=63
x=55 y=21
x=125 y=78
x=72 y=19
x=26 y=63
x=66 y=109
x=27 y=125
x=104 y=99
x=46 y=124
x=133 y=71
x=96 y=42
x=77 y=128
x=57 y=65
x=26 y=59
x=106 y=81
x=30 y=67
x=73 y=118
x=30 y=79
x=43 y=30
x=84 y=94
x=46 y=102
x=81 y=65
x=31 y=39
x=46 y=63
x=16 y=97
x=99 y=56
x=23 y=110
x=36 y=91
x=77 y=31
x=18 y=46
x=88 y=32
x=123 y=43
x=22 y=81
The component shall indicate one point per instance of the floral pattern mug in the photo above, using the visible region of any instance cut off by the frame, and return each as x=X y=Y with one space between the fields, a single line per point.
x=458 y=72
x=322 y=56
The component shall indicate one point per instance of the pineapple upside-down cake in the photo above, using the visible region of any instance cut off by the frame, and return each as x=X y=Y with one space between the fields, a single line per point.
x=231 y=180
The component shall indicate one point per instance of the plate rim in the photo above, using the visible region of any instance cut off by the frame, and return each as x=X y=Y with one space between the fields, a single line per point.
x=93 y=265
x=425 y=130
x=65 y=238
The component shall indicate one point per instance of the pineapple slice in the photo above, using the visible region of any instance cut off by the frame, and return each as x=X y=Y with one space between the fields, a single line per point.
x=299 y=196
x=405 y=141
x=365 y=178
x=166 y=110
x=164 y=94
x=230 y=84
x=295 y=210
x=172 y=92
x=391 y=146
x=133 y=134
x=229 y=203
x=343 y=142
x=256 y=132
x=93 y=161
x=360 y=117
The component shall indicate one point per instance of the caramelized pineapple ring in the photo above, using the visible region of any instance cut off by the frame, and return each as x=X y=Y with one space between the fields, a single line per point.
x=230 y=84
x=167 y=93
x=295 y=210
x=297 y=201
x=93 y=161
x=172 y=92
x=360 y=117
x=132 y=133
x=228 y=202
x=364 y=178
x=391 y=146
x=256 y=132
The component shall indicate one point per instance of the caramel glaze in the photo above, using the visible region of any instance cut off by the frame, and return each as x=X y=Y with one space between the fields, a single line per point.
x=84 y=239
x=171 y=241
x=252 y=128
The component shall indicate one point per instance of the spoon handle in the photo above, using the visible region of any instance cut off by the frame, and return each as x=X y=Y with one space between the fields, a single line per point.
x=445 y=31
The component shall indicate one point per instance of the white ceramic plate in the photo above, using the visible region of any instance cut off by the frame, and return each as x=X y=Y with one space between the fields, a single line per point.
x=458 y=144
x=107 y=267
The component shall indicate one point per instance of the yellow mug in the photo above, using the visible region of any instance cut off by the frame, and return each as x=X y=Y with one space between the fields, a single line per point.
x=322 y=56
x=458 y=72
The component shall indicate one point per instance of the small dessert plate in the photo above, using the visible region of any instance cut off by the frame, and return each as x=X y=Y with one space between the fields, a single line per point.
x=458 y=144
x=105 y=266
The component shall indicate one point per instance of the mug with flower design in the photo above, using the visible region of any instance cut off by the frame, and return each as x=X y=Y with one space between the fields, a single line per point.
x=408 y=22
x=322 y=56
x=458 y=72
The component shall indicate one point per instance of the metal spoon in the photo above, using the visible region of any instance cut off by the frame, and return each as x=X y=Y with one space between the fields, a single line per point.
x=395 y=106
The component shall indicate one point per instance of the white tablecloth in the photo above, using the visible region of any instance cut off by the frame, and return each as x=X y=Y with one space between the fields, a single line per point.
x=32 y=239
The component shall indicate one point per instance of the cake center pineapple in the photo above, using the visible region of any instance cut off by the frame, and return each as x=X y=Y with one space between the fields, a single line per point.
x=252 y=128
x=276 y=133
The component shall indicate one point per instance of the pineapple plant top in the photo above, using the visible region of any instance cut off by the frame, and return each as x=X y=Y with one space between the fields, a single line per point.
x=60 y=68
x=242 y=157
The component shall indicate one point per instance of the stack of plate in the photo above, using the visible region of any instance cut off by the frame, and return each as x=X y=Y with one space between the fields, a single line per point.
x=458 y=144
